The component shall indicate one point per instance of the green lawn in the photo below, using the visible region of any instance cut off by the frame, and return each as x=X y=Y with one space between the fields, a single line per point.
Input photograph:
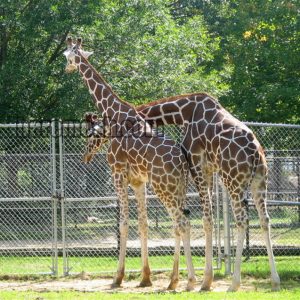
x=35 y=265
x=254 y=272
x=70 y=295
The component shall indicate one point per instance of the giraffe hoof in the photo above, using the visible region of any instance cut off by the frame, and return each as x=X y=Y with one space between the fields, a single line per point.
x=115 y=285
x=145 y=283
x=172 y=286
x=207 y=282
x=191 y=284
x=233 y=288
x=205 y=288
x=275 y=286
x=190 y=287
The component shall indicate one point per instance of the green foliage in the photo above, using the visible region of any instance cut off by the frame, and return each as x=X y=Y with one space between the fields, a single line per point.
x=33 y=37
x=260 y=40
x=138 y=46
x=263 y=46
x=245 y=52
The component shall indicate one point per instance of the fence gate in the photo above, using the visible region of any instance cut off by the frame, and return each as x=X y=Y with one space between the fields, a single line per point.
x=91 y=216
x=28 y=234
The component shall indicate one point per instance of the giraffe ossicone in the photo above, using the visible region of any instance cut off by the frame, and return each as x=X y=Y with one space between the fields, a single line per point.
x=136 y=158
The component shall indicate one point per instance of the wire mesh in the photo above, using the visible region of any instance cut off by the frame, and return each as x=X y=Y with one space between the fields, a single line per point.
x=92 y=215
x=26 y=205
x=281 y=144
x=52 y=204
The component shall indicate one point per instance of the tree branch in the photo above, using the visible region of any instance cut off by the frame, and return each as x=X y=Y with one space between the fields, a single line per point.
x=55 y=54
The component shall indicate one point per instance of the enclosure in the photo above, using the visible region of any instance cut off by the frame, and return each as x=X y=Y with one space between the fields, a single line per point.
x=59 y=216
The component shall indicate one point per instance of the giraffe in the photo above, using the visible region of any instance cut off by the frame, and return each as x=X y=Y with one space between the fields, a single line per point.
x=136 y=155
x=215 y=141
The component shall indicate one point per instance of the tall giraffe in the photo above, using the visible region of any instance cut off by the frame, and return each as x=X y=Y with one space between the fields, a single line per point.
x=215 y=141
x=137 y=156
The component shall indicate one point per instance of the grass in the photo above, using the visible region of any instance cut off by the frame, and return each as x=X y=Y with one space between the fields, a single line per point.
x=34 y=265
x=255 y=271
x=70 y=295
x=257 y=266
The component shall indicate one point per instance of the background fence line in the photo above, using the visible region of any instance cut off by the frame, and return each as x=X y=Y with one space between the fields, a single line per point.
x=60 y=216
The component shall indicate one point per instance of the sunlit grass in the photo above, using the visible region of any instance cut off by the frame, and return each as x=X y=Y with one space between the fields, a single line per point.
x=68 y=295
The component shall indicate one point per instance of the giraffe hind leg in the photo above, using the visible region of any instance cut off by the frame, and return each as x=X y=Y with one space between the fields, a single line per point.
x=241 y=218
x=258 y=189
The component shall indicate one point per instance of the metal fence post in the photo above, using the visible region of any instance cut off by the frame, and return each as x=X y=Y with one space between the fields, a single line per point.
x=298 y=186
x=218 y=222
x=226 y=224
x=62 y=199
x=54 y=199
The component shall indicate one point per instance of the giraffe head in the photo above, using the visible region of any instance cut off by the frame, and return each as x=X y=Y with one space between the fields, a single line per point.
x=73 y=53
x=97 y=136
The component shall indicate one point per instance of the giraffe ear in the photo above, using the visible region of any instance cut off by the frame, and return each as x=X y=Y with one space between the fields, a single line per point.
x=69 y=42
x=86 y=54
x=79 y=42
x=91 y=117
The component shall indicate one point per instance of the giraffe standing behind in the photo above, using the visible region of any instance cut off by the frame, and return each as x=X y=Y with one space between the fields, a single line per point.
x=215 y=141
x=137 y=156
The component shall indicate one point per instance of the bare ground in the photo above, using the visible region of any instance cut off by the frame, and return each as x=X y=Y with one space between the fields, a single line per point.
x=160 y=284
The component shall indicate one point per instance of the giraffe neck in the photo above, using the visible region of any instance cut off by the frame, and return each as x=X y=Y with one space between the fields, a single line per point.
x=176 y=110
x=105 y=99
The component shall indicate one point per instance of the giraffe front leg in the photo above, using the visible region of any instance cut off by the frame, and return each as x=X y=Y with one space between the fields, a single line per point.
x=121 y=187
x=143 y=231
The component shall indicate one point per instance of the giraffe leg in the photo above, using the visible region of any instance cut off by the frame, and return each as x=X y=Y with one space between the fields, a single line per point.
x=204 y=186
x=258 y=189
x=185 y=234
x=208 y=270
x=121 y=188
x=143 y=231
x=241 y=218
x=182 y=230
x=175 y=273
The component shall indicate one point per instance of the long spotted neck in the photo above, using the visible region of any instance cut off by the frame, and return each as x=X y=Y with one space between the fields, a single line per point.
x=104 y=98
x=177 y=110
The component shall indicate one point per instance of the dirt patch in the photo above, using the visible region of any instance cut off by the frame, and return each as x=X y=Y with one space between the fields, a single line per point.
x=104 y=285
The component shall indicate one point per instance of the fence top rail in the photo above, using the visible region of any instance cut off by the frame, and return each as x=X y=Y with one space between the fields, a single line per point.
x=259 y=124
x=26 y=199
x=277 y=203
x=115 y=198
x=83 y=124
x=26 y=125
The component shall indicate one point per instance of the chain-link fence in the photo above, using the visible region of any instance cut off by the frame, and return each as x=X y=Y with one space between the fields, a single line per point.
x=59 y=215
x=92 y=215
x=282 y=149
x=27 y=209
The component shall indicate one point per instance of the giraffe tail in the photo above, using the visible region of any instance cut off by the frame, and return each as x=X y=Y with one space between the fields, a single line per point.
x=259 y=172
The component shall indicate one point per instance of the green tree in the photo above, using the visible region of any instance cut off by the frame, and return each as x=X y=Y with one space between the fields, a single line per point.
x=264 y=48
x=33 y=36
x=260 y=40
x=139 y=48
